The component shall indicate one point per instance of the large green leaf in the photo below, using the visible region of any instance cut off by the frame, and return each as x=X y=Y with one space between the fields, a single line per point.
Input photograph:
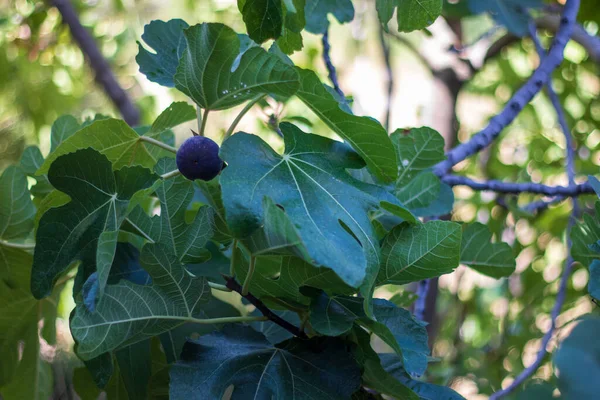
x=129 y=313
x=216 y=76
x=169 y=43
x=99 y=200
x=328 y=207
x=120 y=143
x=478 y=252
x=585 y=234
x=277 y=235
x=31 y=160
x=170 y=228
x=336 y=315
x=393 y=365
x=275 y=19
x=374 y=376
x=578 y=361
x=317 y=12
x=135 y=366
x=411 y=14
x=263 y=18
x=282 y=277
x=364 y=134
x=239 y=356
x=111 y=137
x=211 y=195
x=16 y=218
x=62 y=129
x=24 y=374
x=411 y=253
x=417 y=149
x=173 y=340
x=426 y=196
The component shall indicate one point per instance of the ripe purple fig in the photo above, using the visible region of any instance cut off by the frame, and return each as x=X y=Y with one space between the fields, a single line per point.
x=198 y=158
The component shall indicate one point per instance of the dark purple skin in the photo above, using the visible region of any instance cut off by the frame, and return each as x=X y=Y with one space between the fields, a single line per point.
x=198 y=158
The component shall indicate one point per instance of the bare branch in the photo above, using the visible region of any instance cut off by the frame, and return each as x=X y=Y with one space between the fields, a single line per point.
x=266 y=311
x=562 y=289
x=523 y=96
x=330 y=67
x=517 y=188
x=385 y=48
x=104 y=75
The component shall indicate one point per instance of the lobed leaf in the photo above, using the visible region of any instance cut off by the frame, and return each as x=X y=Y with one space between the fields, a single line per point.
x=336 y=315
x=317 y=12
x=129 y=313
x=169 y=43
x=99 y=200
x=477 y=251
x=366 y=136
x=411 y=253
x=185 y=241
x=328 y=207
x=411 y=14
x=216 y=76
x=239 y=356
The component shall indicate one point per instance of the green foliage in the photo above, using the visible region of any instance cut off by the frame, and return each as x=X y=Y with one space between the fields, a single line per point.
x=411 y=14
x=240 y=356
x=492 y=259
x=316 y=231
x=578 y=361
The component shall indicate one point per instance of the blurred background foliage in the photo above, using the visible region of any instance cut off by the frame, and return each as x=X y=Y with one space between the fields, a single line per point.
x=485 y=330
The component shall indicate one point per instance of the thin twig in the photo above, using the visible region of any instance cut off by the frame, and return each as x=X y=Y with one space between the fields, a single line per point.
x=522 y=97
x=239 y=117
x=421 y=301
x=330 y=67
x=266 y=311
x=218 y=286
x=560 y=299
x=171 y=174
x=560 y=113
x=23 y=246
x=385 y=49
x=158 y=143
x=517 y=188
x=104 y=75
x=562 y=289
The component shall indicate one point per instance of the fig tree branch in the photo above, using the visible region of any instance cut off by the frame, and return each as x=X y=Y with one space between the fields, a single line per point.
x=266 y=311
x=517 y=188
x=102 y=71
x=330 y=67
x=562 y=289
x=521 y=98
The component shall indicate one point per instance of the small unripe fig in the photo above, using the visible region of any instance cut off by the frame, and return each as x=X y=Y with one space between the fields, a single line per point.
x=198 y=158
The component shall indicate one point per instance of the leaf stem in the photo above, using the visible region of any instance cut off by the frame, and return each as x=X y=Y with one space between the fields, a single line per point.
x=171 y=174
x=233 y=258
x=218 y=286
x=239 y=117
x=251 y=268
x=158 y=143
x=24 y=246
x=226 y=320
x=203 y=125
x=199 y=118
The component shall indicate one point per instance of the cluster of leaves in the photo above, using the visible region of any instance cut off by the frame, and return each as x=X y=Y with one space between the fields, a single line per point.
x=312 y=232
